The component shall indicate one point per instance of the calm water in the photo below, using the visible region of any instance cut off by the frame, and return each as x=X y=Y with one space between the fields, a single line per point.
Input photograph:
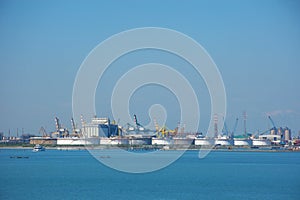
x=57 y=174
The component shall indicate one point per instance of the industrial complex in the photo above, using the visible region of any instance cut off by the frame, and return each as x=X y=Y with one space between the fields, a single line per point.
x=104 y=132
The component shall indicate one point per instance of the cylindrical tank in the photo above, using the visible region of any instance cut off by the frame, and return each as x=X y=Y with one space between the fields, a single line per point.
x=280 y=131
x=287 y=134
x=272 y=132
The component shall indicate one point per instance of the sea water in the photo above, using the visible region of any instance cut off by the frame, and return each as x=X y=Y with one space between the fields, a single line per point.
x=75 y=174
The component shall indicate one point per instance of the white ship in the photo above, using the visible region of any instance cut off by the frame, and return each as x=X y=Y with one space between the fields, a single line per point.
x=38 y=147
x=261 y=142
x=204 y=142
x=223 y=141
x=242 y=142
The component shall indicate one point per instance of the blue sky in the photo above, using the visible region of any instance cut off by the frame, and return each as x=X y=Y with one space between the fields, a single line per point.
x=255 y=44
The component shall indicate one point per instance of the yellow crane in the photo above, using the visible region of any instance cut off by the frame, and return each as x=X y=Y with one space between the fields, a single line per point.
x=164 y=131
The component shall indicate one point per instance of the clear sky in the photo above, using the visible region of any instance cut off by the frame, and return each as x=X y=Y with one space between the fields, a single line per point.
x=255 y=44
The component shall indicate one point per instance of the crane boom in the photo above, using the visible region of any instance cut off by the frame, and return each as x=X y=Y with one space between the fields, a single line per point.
x=136 y=121
x=272 y=121
x=57 y=124
x=225 y=127
x=235 y=125
x=73 y=125
x=156 y=125
x=43 y=132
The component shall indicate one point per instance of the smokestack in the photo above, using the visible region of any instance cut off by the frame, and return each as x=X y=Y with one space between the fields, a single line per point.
x=216 y=125
x=245 y=122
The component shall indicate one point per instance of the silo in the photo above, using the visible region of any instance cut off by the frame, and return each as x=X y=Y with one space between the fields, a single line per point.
x=287 y=134
x=272 y=132
x=280 y=131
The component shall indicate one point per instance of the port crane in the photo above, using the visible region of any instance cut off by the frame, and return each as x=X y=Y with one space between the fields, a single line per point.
x=60 y=131
x=164 y=131
x=43 y=132
x=137 y=127
x=57 y=124
x=156 y=125
x=268 y=130
x=75 y=132
x=227 y=131
x=274 y=127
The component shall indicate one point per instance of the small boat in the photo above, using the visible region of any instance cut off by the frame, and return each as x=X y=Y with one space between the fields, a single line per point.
x=19 y=157
x=38 y=147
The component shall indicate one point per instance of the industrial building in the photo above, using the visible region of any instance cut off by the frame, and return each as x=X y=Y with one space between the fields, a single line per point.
x=43 y=140
x=100 y=127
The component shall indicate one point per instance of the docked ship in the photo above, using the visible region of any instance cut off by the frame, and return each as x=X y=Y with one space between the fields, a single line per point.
x=223 y=141
x=261 y=142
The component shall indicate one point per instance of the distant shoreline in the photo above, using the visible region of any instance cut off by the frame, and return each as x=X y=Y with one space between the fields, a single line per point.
x=151 y=148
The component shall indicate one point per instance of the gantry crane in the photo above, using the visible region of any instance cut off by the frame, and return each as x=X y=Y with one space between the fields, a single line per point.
x=43 y=132
x=164 y=131
x=137 y=128
x=227 y=131
x=75 y=132
x=273 y=124
x=60 y=131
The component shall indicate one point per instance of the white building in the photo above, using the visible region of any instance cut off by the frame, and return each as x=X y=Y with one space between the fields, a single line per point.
x=77 y=141
x=274 y=139
x=99 y=127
